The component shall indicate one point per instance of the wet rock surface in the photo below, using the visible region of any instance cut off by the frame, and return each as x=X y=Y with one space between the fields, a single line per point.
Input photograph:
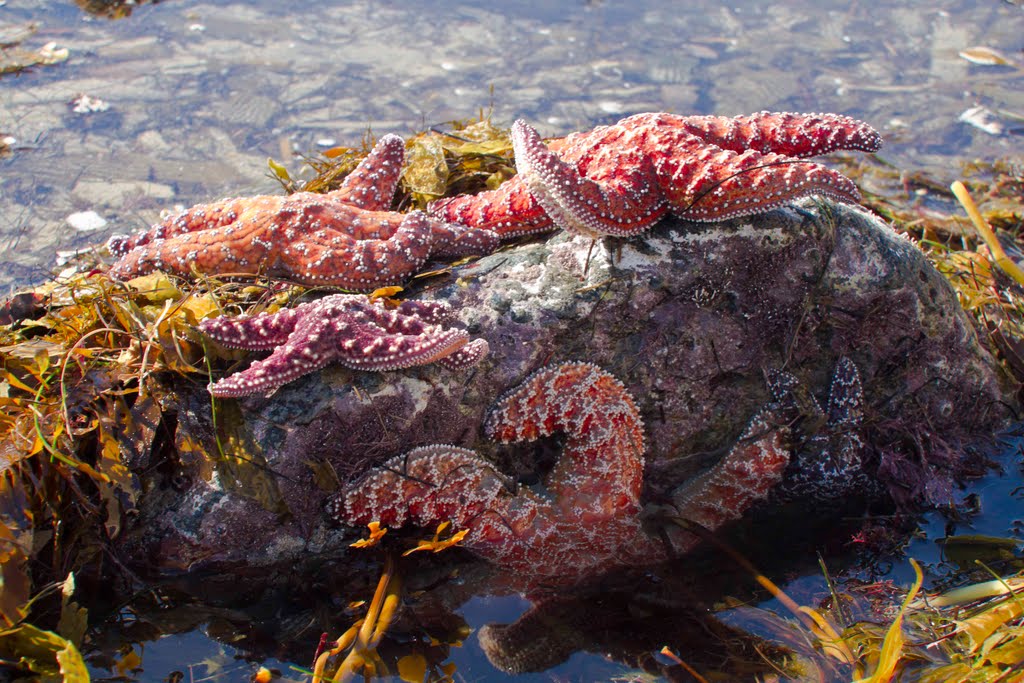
x=691 y=318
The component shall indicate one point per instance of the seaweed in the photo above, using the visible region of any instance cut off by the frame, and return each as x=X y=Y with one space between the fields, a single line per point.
x=930 y=211
x=472 y=156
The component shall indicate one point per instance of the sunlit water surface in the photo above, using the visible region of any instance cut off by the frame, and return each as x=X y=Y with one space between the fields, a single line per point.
x=199 y=94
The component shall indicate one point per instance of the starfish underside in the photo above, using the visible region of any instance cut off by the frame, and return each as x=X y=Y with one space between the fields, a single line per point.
x=349 y=329
x=621 y=179
x=346 y=238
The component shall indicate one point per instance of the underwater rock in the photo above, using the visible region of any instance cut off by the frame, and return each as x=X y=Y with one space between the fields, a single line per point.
x=692 y=318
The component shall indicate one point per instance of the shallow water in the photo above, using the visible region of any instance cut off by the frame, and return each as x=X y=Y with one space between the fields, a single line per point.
x=201 y=93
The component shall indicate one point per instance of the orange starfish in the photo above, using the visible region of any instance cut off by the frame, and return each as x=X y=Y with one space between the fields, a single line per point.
x=346 y=238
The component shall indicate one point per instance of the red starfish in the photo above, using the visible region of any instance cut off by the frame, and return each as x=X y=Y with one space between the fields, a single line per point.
x=345 y=238
x=621 y=179
x=350 y=329
x=589 y=518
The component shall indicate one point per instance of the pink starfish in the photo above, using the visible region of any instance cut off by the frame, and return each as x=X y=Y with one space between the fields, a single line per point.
x=621 y=179
x=589 y=517
x=350 y=329
x=346 y=238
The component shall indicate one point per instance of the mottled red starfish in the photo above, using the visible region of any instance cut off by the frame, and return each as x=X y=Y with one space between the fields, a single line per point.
x=346 y=238
x=589 y=517
x=350 y=329
x=621 y=179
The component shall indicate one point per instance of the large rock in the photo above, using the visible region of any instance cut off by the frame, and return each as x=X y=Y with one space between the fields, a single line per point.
x=690 y=317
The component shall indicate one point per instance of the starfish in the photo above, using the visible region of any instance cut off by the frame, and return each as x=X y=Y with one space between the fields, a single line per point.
x=350 y=329
x=589 y=517
x=621 y=179
x=828 y=461
x=346 y=238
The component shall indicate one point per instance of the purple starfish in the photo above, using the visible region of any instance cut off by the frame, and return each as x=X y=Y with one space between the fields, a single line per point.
x=351 y=329
x=828 y=448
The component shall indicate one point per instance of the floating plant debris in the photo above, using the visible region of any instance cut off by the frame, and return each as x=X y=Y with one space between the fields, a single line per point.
x=14 y=58
x=112 y=9
x=985 y=56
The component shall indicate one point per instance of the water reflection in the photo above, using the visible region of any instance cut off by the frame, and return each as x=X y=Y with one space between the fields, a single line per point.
x=460 y=610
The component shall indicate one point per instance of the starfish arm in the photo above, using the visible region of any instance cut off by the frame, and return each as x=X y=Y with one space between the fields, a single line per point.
x=788 y=133
x=448 y=240
x=845 y=396
x=419 y=320
x=782 y=384
x=465 y=357
x=414 y=322
x=797 y=402
x=541 y=638
x=367 y=225
x=518 y=531
x=364 y=346
x=371 y=185
x=600 y=472
x=427 y=486
x=509 y=211
x=199 y=217
x=411 y=318
x=255 y=333
x=432 y=312
x=623 y=204
x=237 y=248
x=333 y=258
x=715 y=184
x=453 y=240
x=434 y=484
x=746 y=475
x=303 y=353
x=845 y=416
